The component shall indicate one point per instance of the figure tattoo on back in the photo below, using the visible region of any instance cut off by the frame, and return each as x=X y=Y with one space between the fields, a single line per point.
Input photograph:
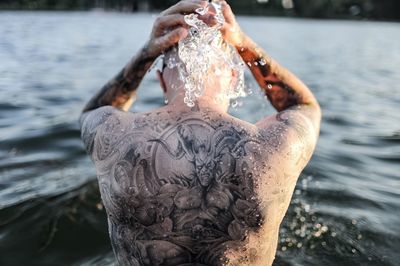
x=176 y=194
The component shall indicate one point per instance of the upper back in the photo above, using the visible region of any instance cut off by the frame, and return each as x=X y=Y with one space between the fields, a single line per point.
x=197 y=183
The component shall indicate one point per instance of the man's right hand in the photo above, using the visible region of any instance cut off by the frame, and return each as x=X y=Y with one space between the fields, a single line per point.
x=231 y=31
x=170 y=26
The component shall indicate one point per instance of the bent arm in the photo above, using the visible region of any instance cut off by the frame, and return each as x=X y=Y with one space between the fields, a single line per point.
x=284 y=90
x=120 y=91
x=295 y=129
x=168 y=29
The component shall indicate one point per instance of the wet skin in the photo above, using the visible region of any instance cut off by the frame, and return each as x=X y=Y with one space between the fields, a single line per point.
x=194 y=187
x=197 y=186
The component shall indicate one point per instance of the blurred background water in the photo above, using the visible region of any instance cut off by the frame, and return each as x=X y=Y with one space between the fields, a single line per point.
x=346 y=208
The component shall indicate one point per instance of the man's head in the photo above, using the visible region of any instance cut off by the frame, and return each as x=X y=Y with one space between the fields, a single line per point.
x=217 y=76
x=202 y=66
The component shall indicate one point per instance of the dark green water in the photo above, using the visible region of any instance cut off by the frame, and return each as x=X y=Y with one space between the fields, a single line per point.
x=346 y=209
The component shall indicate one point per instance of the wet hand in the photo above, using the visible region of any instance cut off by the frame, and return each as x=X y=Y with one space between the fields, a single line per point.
x=170 y=26
x=231 y=30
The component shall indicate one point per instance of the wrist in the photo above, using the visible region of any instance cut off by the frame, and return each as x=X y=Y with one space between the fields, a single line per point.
x=240 y=41
x=250 y=52
x=148 y=52
x=246 y=45
x=143 y=60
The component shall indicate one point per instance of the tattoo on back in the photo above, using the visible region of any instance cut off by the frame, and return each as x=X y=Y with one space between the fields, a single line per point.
x=177 y=194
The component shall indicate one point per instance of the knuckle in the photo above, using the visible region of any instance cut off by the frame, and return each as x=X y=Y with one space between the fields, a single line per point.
x=179 y=20
x=158 y=19
x=163 y=13
x=183 y=4
x=173 y=37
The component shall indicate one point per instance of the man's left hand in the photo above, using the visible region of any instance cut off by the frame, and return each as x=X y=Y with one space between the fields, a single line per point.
x=170 y=26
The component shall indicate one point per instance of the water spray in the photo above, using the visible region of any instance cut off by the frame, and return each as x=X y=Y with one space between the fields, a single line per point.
x=200 y=51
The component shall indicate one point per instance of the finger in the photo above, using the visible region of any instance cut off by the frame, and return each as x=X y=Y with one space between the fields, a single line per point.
x=209 y=19
x=185 y=7
x=171 y=38
x=227 y=12
x=169 y=21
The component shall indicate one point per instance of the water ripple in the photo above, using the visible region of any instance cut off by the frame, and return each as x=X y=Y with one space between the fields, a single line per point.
x=345 y=210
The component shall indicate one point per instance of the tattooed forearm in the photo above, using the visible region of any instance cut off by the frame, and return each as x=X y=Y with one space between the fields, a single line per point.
x=282 y=88
x=119 y=91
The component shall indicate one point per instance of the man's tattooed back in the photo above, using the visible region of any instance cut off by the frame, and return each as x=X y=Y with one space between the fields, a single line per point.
x=184 y=188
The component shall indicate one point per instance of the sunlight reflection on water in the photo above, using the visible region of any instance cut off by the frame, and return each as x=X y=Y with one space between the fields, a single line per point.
x=345 y=209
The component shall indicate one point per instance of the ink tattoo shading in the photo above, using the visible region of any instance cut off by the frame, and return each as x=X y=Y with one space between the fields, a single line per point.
x=279 y=92
x=121 y=89
x=178 y=195
x=180 y=192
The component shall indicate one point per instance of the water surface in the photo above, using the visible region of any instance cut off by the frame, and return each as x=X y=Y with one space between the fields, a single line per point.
x=346 y=208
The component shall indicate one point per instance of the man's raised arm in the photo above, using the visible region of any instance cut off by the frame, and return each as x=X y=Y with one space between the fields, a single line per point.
x=168 y=29
x=120 y=90
x=284 y=90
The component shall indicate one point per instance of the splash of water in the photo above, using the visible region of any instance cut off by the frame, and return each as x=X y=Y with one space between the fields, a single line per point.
x=204 y=51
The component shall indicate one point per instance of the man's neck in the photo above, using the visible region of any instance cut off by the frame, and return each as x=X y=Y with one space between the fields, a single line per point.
x=204 y=102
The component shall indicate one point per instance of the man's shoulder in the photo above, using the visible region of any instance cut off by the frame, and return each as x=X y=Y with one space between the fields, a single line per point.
x=290 y=136
x=100 y=121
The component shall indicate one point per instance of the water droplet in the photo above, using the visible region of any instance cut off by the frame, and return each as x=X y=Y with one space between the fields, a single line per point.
x=234 y=104
x=202 y=10
x=202 y=51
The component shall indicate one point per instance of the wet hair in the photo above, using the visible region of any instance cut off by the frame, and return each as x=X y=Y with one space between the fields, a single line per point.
x=202 y=57
x=173 y=51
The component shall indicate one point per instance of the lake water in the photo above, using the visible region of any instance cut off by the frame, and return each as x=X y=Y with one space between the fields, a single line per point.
x=346 y=208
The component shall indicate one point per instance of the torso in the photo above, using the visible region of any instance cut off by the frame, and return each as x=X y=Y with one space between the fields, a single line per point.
x=197 y=188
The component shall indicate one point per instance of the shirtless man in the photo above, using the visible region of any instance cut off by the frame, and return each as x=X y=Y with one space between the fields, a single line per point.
x=196 y=186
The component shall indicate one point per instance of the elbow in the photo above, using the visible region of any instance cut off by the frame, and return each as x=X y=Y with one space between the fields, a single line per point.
x=318 y=116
